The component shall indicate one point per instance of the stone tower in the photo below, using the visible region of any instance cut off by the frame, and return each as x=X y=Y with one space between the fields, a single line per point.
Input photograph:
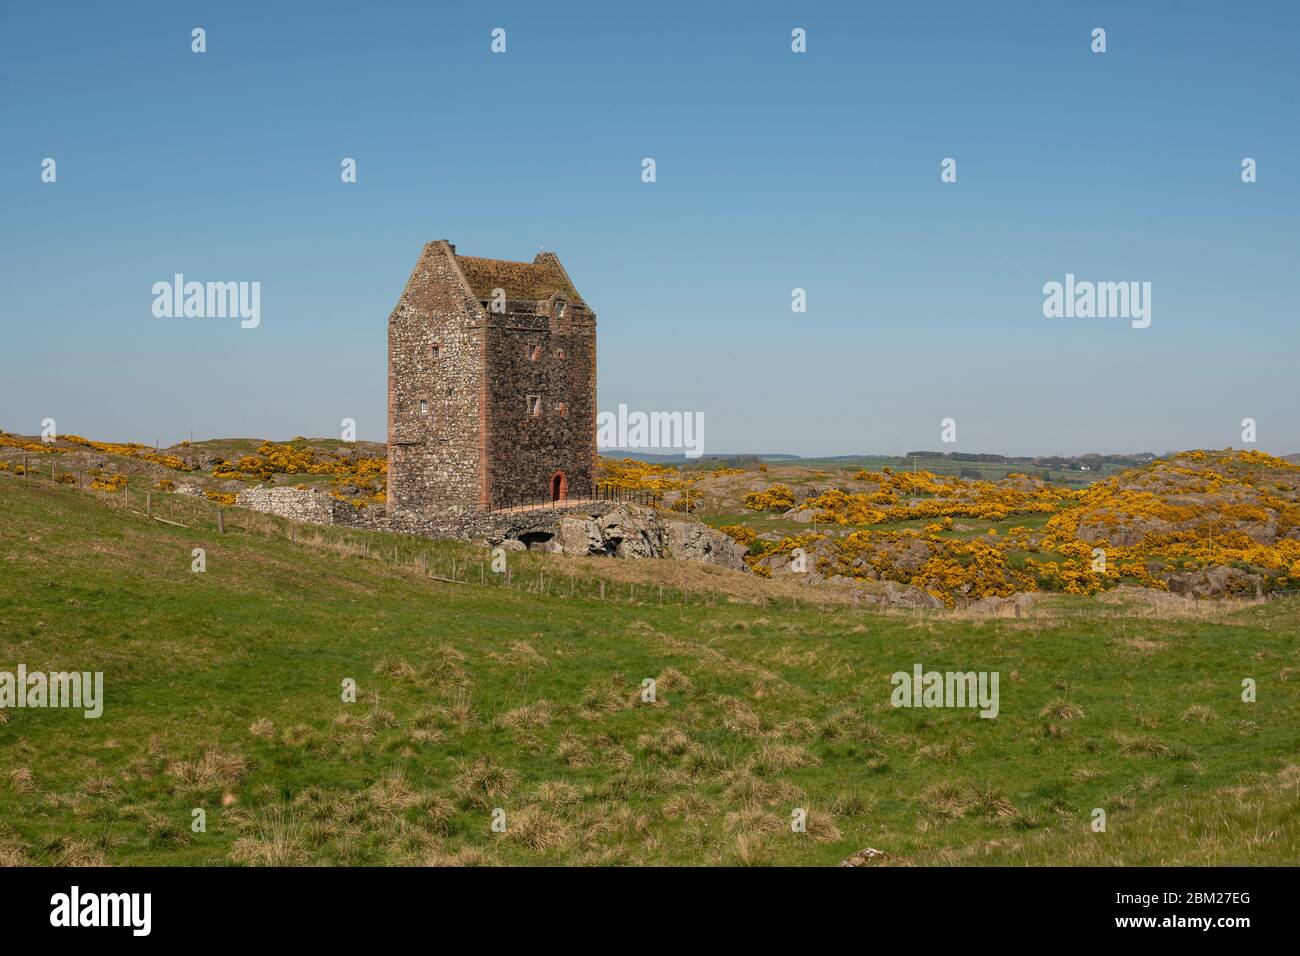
x=491 y=388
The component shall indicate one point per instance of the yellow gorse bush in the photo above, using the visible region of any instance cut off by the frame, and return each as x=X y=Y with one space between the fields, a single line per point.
x=1197 y=510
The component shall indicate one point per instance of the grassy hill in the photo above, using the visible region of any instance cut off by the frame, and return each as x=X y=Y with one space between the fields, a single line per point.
x=223 y=693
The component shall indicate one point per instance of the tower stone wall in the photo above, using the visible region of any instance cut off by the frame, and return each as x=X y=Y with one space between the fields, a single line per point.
x=491 y=388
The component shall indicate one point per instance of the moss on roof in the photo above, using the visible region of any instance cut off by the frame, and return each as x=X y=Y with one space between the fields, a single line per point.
x=521 y=280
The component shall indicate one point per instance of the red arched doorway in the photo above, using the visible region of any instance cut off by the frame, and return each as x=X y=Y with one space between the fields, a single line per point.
x=559 y=486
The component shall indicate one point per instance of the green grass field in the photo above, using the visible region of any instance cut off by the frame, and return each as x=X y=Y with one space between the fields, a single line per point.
x=223 y=694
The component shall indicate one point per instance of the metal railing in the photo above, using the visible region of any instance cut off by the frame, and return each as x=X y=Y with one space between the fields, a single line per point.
x=603 y=492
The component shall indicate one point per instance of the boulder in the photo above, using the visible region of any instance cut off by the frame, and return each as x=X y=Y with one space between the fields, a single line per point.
x=908 y=595
x=579 y=534
x=630 y=535
x=688 y=541
x=1218 y=581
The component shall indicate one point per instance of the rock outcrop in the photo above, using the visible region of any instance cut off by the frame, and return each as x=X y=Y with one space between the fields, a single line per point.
x=623 y=531
x=1219 y=581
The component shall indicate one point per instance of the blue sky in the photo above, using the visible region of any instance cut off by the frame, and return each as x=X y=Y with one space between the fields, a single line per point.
x=775 y=170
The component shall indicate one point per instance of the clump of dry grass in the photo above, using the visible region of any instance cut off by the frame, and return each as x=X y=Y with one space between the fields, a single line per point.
x=536 y=828
x=536 y=714
x=79 y=853
x=214 y=770
x=990 y=802
x=277 y=839
x=665 y=742
x=263 y=728
x=458 y=713
x=853 y=803
x=688 y=806
x=1200 y=712
x=444 y=671
x=573 y=751
x=392 y=794
x=746 y=790
x=739 y=718
x=820 y=826
x=670 y=678
x=101 y=787
x=945 y=799
x=20 y=779
x=426 y=736
x=800 y=728
x=11 y=855
x=164 y=831
x=465 y=856
x=484 y=783
x=1061 y=709
x=754 y=820
x=606 y=697
x=297 y=735
x=751 y=850
x=521 y=654
x=774 y=757
x=558 y=793
x=701 y=760
x=1140 y=746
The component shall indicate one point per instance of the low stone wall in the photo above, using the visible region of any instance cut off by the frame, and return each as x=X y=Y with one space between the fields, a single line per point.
x=371 y=517
x=313 y=507
x=294 y=503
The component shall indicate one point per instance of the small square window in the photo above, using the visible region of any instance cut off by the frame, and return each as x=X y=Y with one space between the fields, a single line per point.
x=534 y=406
x=435 y=352
x=424 y=407
x=559 y=353
x=534 y=353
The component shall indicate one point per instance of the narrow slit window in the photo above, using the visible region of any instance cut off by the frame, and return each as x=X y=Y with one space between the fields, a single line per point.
x=435 y=352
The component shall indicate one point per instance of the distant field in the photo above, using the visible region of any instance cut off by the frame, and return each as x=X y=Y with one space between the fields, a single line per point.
x=223 y=694
x=945 y=466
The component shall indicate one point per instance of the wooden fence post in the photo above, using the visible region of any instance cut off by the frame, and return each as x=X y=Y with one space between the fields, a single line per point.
x=148 y=504
x=221 y=521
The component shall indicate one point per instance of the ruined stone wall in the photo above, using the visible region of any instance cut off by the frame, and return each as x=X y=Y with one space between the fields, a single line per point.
x=312 y=507
x=538 y=353
x=292 y=503
x=435 y=356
